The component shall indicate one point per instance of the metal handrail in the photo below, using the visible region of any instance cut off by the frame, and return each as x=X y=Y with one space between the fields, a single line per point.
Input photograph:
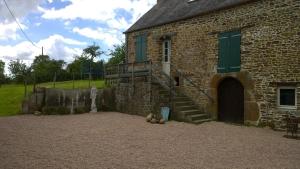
x=125 y=66
x=191 y=82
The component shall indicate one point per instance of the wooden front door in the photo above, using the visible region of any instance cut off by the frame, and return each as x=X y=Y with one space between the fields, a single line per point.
x=231 y=101
x=166 y=59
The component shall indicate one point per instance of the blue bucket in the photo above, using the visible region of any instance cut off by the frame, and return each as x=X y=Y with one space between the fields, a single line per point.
x=165 y=111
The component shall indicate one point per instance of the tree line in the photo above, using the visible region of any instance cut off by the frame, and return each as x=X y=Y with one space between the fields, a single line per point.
x=45 y=69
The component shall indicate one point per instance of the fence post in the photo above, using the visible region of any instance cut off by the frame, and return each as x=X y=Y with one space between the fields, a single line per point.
x=73 y=81
x=25 y=86
x=54 y=80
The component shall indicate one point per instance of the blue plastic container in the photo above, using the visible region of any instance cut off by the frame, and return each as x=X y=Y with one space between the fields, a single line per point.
x=165 y=111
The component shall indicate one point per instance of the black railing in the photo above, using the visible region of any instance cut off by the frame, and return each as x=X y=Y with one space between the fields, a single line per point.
x=181 y=74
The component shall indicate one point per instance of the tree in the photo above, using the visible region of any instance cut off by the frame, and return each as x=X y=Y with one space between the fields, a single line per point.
x=19 y=70
x=45 y=69
x=2 y=76
x=92 y=52
x=118 y=55
x=79 y=66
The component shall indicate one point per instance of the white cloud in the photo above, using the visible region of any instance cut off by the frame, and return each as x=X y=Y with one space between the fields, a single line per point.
x=62 y=39
x=38 y=24
x=9 y=30
x=99 y=10
x=118 y=23
x=56 y=46
x=20 y=8
x=103 y=12
x=109 y=37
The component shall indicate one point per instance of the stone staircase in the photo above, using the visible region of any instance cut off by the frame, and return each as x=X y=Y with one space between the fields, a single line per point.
x=184 y=109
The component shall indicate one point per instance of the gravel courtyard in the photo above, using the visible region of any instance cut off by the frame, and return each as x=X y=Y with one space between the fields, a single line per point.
x=114 y=140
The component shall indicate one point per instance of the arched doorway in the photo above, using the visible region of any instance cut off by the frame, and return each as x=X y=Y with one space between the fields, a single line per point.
x=231 y=101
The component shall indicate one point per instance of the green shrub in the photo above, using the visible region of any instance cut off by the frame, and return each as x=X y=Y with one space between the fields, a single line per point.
x=55 y=110
x=81 y=110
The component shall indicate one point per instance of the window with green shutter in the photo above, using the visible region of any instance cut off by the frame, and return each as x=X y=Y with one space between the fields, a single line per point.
x=229 y=52
x=141 y=48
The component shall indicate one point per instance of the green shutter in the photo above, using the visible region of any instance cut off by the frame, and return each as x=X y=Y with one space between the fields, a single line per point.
x=144 y=47
x=138 y=49
x=223 y=53
x=235 y=52
x=141 y=48
x=229 y=52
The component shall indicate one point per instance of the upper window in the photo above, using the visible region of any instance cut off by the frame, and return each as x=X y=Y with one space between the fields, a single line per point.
x=287 y=97
x=229 y=52
x=141 y=48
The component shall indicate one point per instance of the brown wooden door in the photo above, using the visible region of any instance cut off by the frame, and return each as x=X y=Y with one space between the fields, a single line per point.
x=231 y=101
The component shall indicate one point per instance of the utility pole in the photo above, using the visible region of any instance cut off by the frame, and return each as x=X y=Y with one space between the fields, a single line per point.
x=42 y=51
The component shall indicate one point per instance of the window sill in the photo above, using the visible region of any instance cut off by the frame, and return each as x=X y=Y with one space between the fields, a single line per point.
x=287 y=107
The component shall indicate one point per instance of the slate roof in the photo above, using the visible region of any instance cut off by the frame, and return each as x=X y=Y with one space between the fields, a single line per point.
x=167 y=11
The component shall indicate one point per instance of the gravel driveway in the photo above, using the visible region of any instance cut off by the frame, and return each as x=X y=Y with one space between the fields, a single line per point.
x=114 y=140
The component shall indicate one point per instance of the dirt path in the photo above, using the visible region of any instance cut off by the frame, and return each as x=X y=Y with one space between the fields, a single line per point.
x=114 y=140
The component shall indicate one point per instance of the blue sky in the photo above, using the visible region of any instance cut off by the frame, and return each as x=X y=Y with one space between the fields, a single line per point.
x=65 y=27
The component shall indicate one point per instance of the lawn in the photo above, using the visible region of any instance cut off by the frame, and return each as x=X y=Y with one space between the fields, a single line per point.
x=11 y=96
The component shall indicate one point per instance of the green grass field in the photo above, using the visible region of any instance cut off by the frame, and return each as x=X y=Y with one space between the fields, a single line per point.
x=11 y=96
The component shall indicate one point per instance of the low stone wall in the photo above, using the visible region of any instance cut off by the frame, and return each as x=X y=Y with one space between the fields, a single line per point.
x=69 y=101
x=138 y=99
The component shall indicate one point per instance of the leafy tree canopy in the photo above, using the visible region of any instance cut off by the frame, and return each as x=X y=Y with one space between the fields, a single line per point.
x=2 y=76
x=18 y=70
x=45 y=68
x=118 y=54
x=93 y=51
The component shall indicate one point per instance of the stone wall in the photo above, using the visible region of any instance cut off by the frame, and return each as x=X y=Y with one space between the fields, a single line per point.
x=270 y=53
x=71 y=101
x=138 y=98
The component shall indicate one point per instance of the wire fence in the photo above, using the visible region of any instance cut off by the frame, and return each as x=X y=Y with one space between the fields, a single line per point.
x=78 y=80
x=65 y=81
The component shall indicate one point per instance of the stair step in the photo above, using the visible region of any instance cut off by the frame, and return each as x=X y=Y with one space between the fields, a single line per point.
x=191 y=112
x=201 y=121
x=184 y=103
x=195 y=117
x=181 y=99
x=188 y=107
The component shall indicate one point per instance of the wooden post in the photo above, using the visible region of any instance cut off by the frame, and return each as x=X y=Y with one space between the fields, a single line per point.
x=150 y=82
x=104 y=74
x=171 y=88
x=90 y=74
x=73 y=81
x=25 y=87
x=54 y=80
x=132 y=76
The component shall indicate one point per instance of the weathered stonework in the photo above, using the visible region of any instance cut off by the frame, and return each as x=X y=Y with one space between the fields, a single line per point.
x=69 y=100
x=270 y=53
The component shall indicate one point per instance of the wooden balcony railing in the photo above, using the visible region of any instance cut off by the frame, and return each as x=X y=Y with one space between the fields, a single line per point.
x=128 y=69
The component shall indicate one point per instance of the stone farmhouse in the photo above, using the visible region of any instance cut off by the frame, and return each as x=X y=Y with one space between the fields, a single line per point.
x=235 y=61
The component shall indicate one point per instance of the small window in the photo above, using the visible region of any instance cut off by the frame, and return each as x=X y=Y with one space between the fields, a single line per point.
x=287 y=97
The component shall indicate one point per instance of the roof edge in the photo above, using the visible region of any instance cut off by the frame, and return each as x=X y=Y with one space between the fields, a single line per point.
x=190 y=17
